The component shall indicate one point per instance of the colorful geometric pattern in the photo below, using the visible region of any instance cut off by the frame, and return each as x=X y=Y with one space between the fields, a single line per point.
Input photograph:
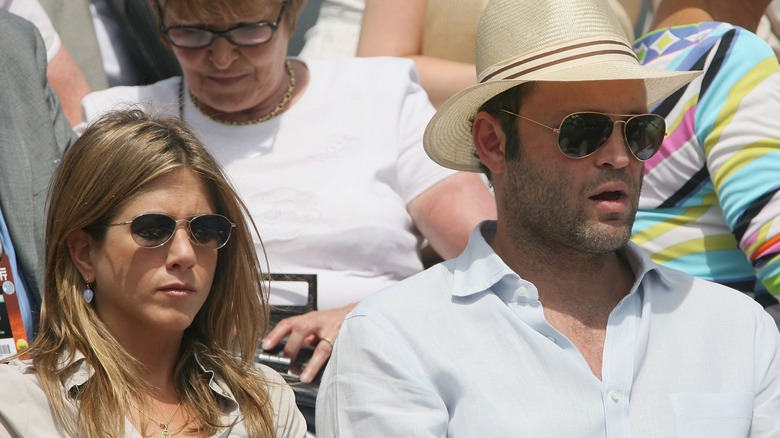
x=710 y=204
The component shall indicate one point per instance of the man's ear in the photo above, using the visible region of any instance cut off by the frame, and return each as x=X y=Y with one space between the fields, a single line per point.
x=80 y=245
x=490 y=142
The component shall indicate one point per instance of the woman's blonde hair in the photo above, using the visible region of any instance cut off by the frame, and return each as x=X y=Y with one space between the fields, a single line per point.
x=206 y=10
x=106 y=167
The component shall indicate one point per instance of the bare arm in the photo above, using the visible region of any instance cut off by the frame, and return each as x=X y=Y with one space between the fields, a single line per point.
x=447 y=212
x=679 y=12
x=390 y=30
x=69 y=83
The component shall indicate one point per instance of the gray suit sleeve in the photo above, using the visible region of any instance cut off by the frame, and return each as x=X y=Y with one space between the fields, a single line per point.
x=34 y=134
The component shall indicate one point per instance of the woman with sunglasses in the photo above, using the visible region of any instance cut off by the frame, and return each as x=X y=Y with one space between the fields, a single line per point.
x=152 y=305
x=328 y=155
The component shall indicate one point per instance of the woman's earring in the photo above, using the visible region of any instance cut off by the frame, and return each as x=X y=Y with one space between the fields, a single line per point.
x=88 y=294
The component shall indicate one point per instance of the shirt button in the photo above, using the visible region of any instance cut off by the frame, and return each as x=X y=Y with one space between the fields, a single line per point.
x=552 y=339
x=614 y=395
x=521 y=292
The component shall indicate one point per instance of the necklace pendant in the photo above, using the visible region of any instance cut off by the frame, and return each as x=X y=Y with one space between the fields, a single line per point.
x=166 y=433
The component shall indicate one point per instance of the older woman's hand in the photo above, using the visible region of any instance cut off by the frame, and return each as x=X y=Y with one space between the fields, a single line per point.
x=318 y=329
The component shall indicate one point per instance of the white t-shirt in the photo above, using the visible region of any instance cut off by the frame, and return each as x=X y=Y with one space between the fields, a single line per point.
x=328 y=181
x=31 y=10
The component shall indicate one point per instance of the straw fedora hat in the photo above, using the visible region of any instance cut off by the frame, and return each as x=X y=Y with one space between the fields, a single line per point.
x=521 y=41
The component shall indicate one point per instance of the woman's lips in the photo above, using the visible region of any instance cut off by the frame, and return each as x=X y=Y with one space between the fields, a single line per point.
x=178 y=289
x=226 y=80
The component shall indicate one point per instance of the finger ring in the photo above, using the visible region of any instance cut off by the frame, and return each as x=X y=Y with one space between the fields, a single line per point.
x=328 y=340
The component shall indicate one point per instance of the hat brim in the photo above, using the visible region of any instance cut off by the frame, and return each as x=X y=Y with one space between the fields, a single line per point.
x=448 y=139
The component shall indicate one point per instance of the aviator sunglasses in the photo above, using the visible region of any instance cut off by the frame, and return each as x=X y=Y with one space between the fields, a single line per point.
x=581 y=134
x=152 y=230
x=246 y=35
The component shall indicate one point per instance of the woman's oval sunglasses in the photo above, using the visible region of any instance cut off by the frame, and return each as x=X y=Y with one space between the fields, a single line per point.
x=152 y=230
x=583 y=133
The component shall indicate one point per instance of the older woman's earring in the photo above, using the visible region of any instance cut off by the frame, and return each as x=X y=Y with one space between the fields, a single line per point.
x=88 y=294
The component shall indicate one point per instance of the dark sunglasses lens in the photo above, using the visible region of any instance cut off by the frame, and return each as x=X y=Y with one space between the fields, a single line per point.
x=151 y=230
x=645 y=134
x=211 y=230
x=582 y=133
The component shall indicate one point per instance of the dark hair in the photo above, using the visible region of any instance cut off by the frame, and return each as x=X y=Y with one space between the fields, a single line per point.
x=509 y=100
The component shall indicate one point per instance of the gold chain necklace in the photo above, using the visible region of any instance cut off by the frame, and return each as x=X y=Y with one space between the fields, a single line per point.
x=164 y=426
x=271 y=115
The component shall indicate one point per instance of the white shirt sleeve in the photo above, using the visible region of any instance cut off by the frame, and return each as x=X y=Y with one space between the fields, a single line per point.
x=372 y=372
x=766 y=405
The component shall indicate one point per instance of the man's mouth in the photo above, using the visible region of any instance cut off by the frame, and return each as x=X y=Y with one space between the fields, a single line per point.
x=609 y=196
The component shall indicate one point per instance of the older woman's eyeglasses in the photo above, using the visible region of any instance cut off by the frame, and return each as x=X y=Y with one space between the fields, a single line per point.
x=246 y=35
x=152 y=230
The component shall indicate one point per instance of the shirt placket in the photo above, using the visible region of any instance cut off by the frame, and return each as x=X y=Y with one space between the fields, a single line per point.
x=618 y=365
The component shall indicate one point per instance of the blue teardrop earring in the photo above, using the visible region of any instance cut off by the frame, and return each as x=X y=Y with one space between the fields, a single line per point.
x=88 y=293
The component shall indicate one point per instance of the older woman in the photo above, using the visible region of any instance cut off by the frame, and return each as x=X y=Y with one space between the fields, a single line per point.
x=327 y=154
x=152 y=307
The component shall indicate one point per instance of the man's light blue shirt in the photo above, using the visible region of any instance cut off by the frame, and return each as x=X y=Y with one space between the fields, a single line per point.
x=464 y=350
x=8 y=250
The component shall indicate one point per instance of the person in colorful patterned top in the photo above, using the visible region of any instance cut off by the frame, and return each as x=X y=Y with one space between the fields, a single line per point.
x=710 y=204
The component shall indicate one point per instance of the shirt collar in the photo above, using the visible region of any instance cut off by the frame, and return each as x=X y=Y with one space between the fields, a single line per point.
x=217 y=383
x=479 y=257
x=479 y=269
x=77 y=372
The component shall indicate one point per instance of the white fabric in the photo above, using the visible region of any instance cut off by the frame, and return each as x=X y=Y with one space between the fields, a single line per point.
x=336 y=32
x=350 y=5
x=31 y=10
x=328 y=181
x=464 y=350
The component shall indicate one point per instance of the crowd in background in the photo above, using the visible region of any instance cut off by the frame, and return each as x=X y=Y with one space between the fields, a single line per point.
x=325 y=151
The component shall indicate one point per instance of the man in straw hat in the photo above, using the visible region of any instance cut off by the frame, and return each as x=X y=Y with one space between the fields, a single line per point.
x=550 y=323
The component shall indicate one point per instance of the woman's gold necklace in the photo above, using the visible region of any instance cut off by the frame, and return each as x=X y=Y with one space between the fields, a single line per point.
x=279 y=107
x=164 y=426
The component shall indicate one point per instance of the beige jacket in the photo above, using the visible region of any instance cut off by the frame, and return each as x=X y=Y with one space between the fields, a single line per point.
x=25 y=411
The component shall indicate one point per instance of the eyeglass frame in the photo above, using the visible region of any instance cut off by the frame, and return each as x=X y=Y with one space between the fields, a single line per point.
x=223 y=34
x=614 y=122
x=192 y=238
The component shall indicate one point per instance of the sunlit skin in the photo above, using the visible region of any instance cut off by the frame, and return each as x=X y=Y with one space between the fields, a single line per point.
x=585 y=204
x=562 y=220
x=159 y=289
x=235 y=83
